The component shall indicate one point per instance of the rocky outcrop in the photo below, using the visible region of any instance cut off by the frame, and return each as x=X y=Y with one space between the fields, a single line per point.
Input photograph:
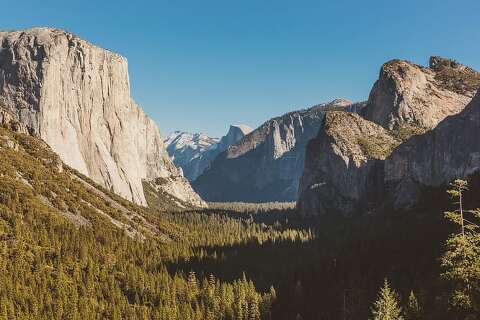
x=193 y=153
x=450 y=151
x=408 y=94
x=235 y=133
x=76 y=97
x=341 y=163
x=10 y=121
x=266 y=165
x=386 y=159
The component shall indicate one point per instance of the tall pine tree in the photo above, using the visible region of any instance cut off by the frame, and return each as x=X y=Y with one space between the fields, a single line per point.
x=413 y=310
x=461 y=261
x=387 y=307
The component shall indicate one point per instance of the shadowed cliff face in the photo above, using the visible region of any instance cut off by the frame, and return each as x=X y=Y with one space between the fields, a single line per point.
x=451 y=150
x=385 y=159
x=76 y=97
x=266 y=165
x=340 y=165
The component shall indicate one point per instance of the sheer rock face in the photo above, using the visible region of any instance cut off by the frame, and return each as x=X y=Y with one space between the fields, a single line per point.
x=10 y=121
x=398 y=163
x=451 y=150
x=76 y=97
x=266 y=165
x=406 y=93
x=235 y=133
x=341 y=165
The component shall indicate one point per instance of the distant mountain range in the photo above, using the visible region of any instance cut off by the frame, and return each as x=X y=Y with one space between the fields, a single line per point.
x=267 y=164
x=352 y=157
x=193 y=152
x=419 y=130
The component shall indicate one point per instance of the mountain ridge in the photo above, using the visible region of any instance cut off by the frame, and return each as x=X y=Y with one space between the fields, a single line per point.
x=407 y=104
x=192 y=153
x=266 y=164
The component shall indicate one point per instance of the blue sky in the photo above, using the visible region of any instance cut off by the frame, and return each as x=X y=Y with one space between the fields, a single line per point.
x=202 y=65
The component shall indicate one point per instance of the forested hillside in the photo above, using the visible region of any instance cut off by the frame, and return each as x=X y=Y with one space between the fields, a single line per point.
x=70 y=252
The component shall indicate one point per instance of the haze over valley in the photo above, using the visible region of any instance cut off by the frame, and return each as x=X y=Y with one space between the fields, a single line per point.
x=347 y=208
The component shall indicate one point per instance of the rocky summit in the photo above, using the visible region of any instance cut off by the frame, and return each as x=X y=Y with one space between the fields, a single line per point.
x=407 y=94
x=416 y=132
x=193 y=153
x=267 y=164
x=76 y=97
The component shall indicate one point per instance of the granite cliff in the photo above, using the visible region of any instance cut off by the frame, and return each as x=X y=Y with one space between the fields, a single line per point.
x=409 y=94
x=266 y=165
x=450 y=151
x=340 y=165
x=76 y=97
x=385 y=159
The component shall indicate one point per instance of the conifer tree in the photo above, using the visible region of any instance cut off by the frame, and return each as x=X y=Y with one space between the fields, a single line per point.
x=254 y=311
x=461 y=261
x=387 y=307
x=412 y=311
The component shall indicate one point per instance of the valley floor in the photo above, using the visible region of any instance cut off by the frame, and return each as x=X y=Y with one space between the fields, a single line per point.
x=70 y=249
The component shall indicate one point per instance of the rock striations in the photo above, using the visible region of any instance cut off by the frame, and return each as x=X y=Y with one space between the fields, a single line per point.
x=385 y=159
x=451 y=150
x=340 y=164
x=193 y=153
x=406 y=93
x=266 y=165
x=76 y=97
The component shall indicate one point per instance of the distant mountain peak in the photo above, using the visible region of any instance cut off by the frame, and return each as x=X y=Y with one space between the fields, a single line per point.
x=243 y=127
x=266 y=164
x=193 y=152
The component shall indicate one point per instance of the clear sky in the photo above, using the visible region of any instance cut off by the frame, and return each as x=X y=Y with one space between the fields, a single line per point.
x=201 y=65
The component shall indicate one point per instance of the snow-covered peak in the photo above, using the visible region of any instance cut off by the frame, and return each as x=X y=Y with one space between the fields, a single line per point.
x=195 y=141
x=193 y=152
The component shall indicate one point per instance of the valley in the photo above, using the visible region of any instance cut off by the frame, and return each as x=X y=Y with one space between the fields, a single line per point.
x=342 y=210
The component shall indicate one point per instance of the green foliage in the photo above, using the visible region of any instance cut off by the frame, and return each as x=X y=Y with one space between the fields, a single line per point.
x=378 y=147
x=413 y=310
x=451 y=76
x=406 y=131
x=250 y=208
x=70 y=249
x=461 y=260
x=387 y=305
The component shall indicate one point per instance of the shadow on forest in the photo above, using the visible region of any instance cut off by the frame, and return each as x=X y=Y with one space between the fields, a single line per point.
x=337 y=274
x=266 y=264
x=347 y=261
x=286 y=217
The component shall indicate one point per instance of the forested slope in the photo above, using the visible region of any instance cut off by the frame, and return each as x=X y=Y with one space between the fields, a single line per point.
x=70 y=249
